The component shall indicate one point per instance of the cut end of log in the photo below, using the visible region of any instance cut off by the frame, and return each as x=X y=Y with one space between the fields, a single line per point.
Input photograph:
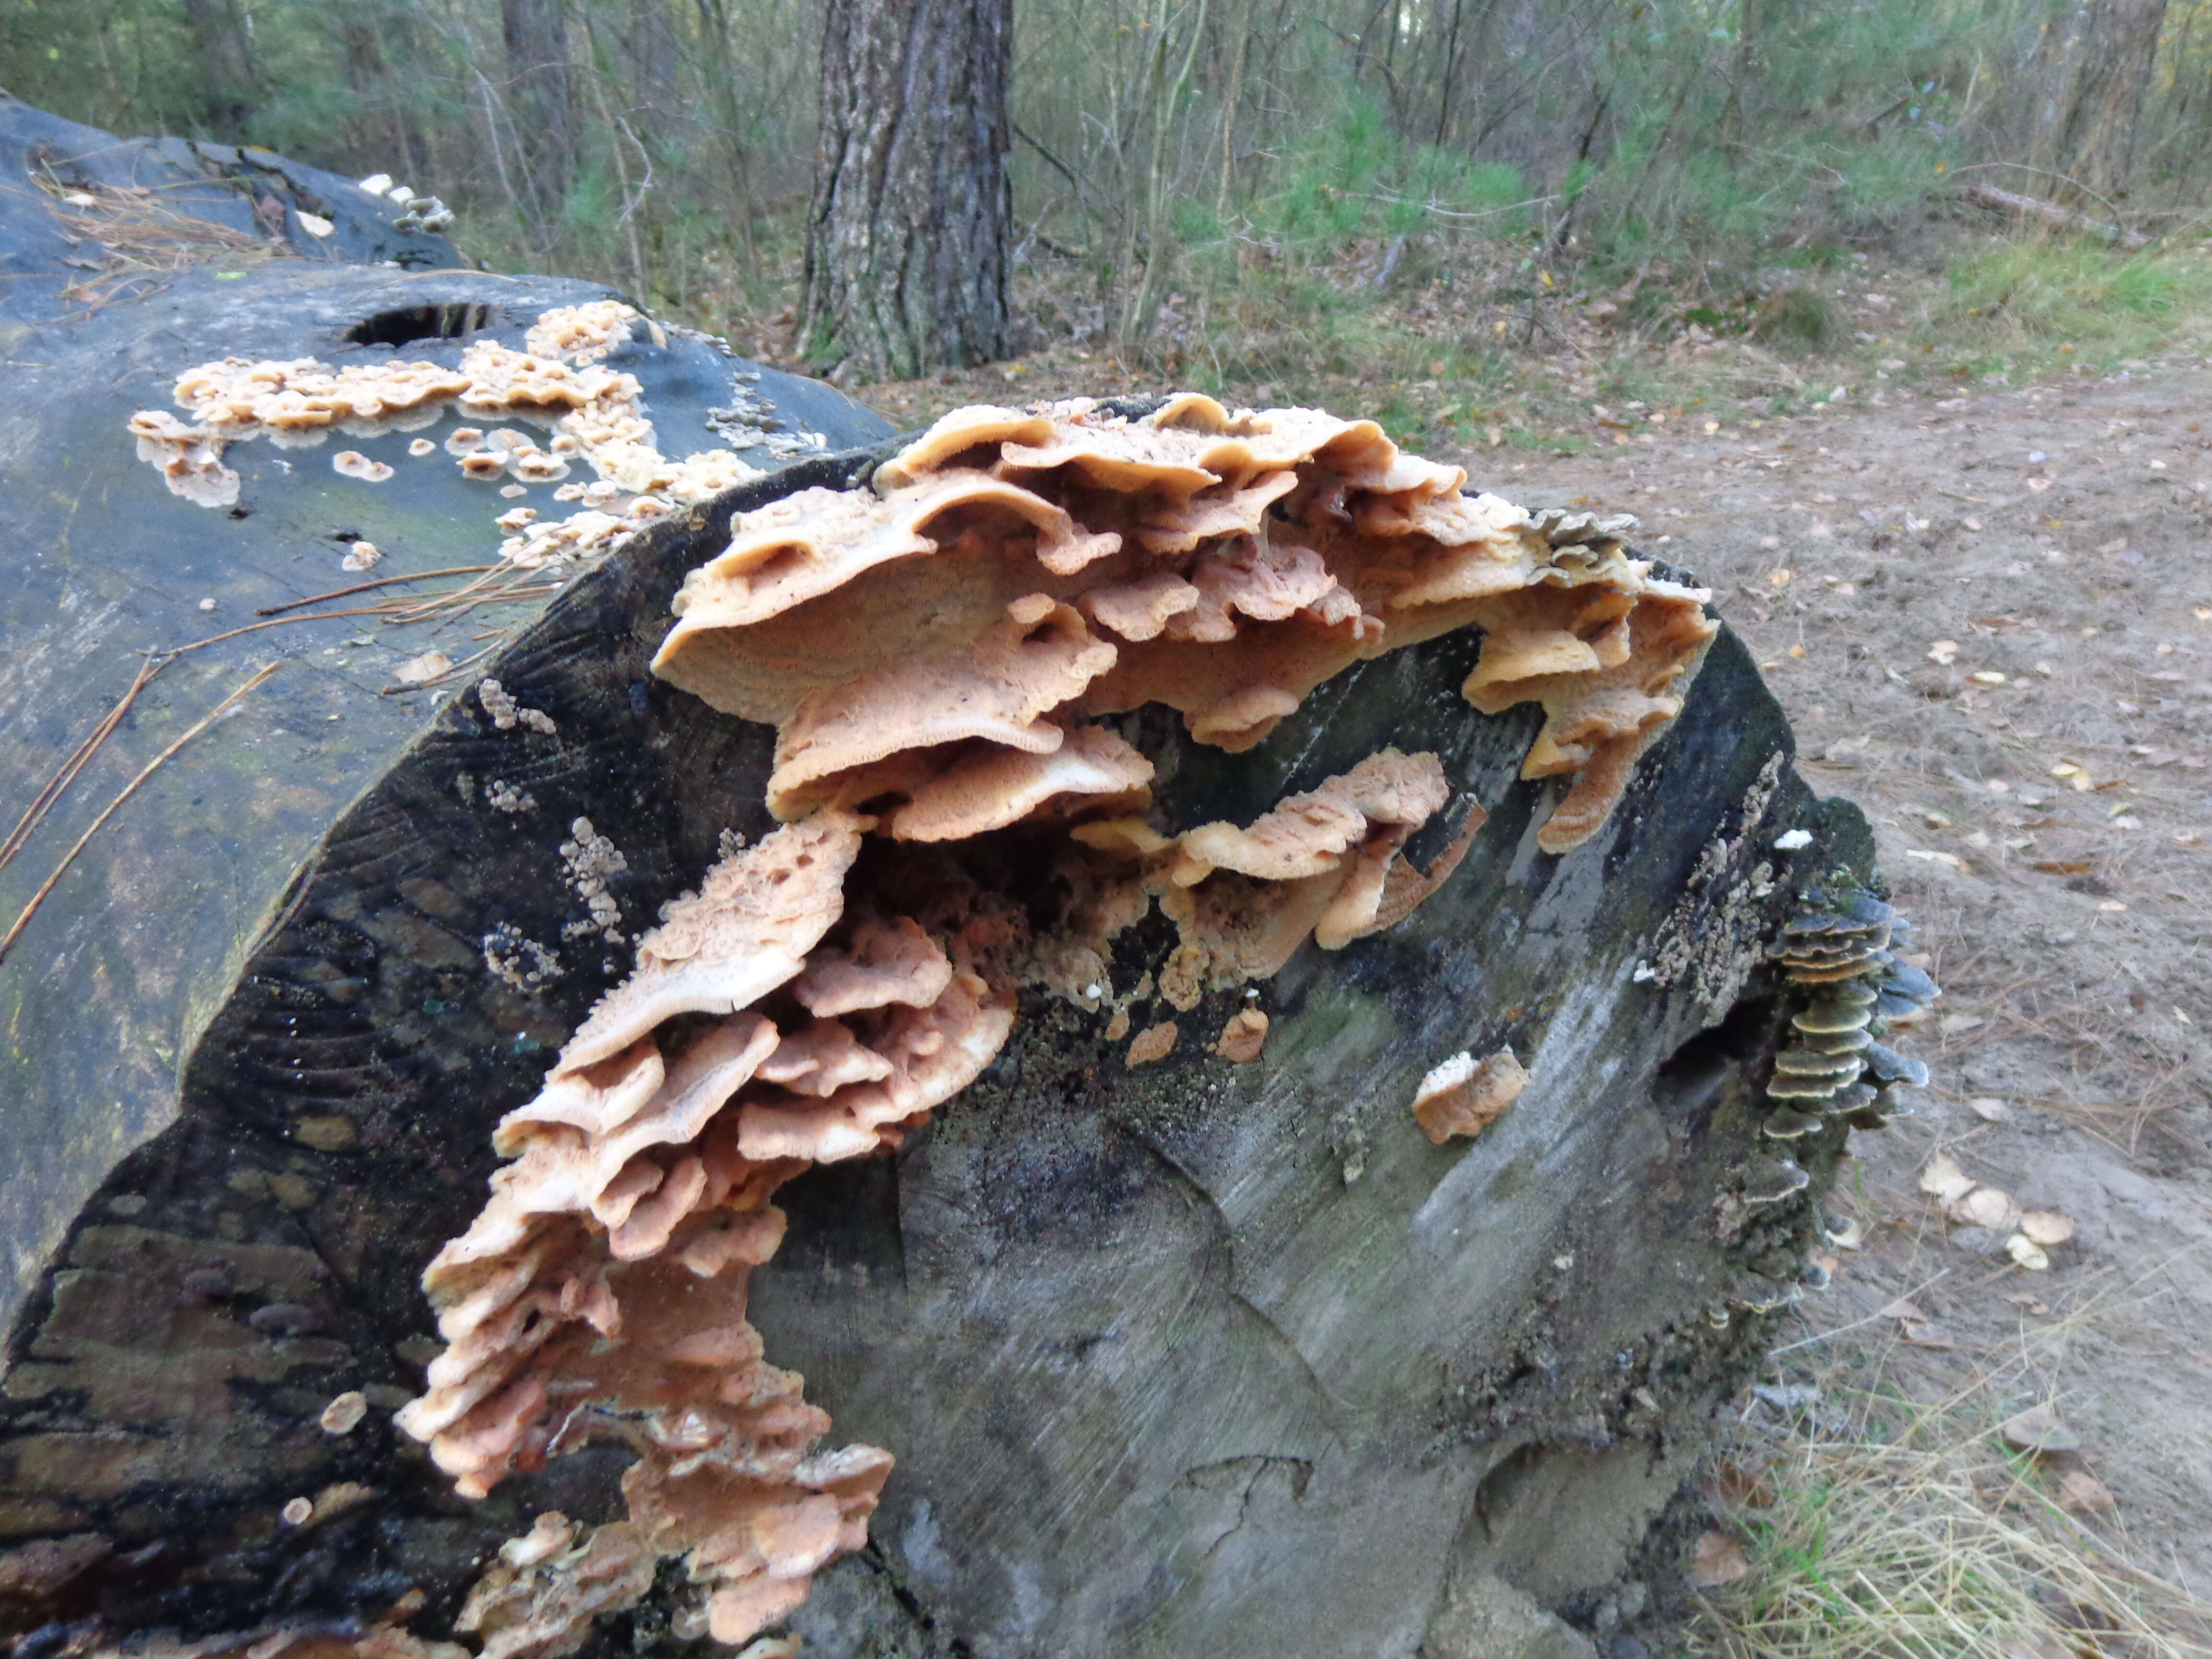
x=1233 y=563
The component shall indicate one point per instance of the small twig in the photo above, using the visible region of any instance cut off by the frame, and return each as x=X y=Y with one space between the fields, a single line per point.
x=59 y=784
x=153 y=664
x=2057 y=216
x=423 y=605
x=2045 y=172
x=1822 y=1336
x=1536 y=316
x=1429 y=207
x=511 y=596
x=455 y=601
x=381 y=581
x=278 y=622
x=129 y=789
x=155 y=661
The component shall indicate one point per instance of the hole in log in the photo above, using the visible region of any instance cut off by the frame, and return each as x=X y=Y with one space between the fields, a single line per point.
x=405 y=325
x=1688 y=1084
x=1495 y=1497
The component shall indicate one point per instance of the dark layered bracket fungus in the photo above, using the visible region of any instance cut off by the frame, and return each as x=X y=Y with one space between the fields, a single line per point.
x=940 y=656
x=1856 y=989
x=1833 y=1074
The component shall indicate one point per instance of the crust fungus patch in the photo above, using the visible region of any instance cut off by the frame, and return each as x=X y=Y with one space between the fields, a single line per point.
x=593 y=414
x=1243 y=1038
x=581 y=334
x=940 y=655
x=190 y=459
x=1152 y=1044
x=352 y=464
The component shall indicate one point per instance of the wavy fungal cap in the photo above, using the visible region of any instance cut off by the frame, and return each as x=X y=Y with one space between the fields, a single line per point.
x=1463 y=1096
x=1028 y=572
x=939 y=656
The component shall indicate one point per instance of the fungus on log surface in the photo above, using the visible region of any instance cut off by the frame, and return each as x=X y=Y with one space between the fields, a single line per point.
x=594 y=413
x=996 y=998
x=924 y=654
x=1462 y=1095
x=1231 y=563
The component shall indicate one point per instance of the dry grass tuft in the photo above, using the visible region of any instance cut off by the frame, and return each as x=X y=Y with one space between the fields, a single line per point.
x=133 y=241
x=1889 y=1531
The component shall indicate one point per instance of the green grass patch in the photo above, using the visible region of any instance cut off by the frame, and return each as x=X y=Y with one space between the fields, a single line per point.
x=2041 y=294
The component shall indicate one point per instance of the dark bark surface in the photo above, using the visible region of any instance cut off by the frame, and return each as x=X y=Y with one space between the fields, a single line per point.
x=906 y=247
x=650 y=42
x=1193 y=1360
x=374 y=43
x=218 y=33
x=1231 y=1360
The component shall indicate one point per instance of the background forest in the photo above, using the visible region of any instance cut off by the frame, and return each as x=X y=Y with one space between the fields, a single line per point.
x=1421 y=196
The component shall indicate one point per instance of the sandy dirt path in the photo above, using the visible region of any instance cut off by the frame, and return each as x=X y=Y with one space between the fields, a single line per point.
x=1990 y=618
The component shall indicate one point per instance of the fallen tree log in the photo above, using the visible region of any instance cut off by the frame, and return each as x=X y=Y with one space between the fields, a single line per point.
x=1187 y=1331
x=2055 y=214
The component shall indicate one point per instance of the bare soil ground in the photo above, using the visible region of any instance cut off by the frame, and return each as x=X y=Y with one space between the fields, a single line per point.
x=1989 y=617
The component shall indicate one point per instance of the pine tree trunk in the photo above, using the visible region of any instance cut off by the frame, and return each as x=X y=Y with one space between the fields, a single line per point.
x=225 y=61
x=535 y=33
x=906 y=257
x=382 y=132
x=654 y=97
x=2097 y=62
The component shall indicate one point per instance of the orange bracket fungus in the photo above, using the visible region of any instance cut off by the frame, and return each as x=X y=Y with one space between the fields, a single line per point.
x=1464 y=1097
x=943 y=656
x=1244 y=1037
x=1029 y=574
